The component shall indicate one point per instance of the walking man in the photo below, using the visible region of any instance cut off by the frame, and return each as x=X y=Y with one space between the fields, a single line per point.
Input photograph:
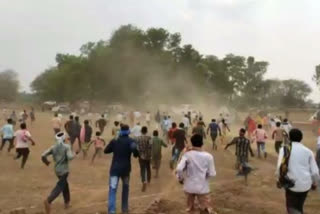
x=56 y=123
x=122 y=148
x=62 y=155
x=101 y=124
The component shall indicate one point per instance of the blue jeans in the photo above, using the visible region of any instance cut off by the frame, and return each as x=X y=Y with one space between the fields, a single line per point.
x=113 y=186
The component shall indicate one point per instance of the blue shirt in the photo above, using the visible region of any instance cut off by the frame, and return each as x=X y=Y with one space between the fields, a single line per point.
x=214 y=128
x=122 y=149
x=7 y=131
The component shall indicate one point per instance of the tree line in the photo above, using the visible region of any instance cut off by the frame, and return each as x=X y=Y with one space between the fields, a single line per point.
x=136 y=65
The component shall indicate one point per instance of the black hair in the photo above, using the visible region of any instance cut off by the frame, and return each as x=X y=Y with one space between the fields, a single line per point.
x=116 y=123
x=197 y=140
x=278 y=124
x=23 y=126
x=295 y=135
x=285 y=120
x=174 y=125
x=71 y=117
x=9 y=120
x=86 y=122
x=124 y=127
x=102 y=115
x=98 y=134
x=213 y=120
x=181 y=125
x=259 y=126
x=243 y=131
x=144 y=130
x=56 y=114
x=77 y=118
x=155 y=133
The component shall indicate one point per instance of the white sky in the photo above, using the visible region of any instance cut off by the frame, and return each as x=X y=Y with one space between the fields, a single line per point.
x=283 y=32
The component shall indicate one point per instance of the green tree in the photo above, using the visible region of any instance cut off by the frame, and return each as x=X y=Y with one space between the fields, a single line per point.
x=9 y=85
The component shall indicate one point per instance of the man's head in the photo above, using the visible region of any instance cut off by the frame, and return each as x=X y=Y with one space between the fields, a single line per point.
x=77 y=118
x=242 y=132
x=278 y=124
x=259 y=126
x=197 y=141
x=102 y=115
x=116 y=123
x=295 y=135
x=186 y=115
x=124 y=127
x=144 y=130
x=181 y=125
x=86 y=122
x=71 y=117
x=213 y=120
x=164 y=117
x=98 y=134
x=23 y=126
x=9 y=121
x=285 y=120
x=60 y=137
x=55 y=114
x=155 y=133
x=174 y=125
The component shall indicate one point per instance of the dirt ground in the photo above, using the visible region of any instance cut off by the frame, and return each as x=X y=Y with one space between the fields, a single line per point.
x=28 y=188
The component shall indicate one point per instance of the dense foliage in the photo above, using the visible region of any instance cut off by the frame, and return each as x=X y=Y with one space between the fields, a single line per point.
x=9 y=85
x=134 y=65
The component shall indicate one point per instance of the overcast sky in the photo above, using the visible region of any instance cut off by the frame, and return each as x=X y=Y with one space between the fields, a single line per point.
x=285 y=33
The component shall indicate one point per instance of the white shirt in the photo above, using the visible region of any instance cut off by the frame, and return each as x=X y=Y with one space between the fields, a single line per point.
x=186 y=121
x=302 y=167
x=196 y=167
x=22 y=138
x=287 y=127
x=136 y=131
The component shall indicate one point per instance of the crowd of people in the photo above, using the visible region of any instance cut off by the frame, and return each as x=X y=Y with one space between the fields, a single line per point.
x=297 y=168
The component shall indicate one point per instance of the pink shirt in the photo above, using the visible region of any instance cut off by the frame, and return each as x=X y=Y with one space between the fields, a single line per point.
x=261 y=135
x=98 y=143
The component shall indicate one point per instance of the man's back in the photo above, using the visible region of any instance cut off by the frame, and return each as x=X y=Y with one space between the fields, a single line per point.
x=199 y=167
x=302 y=166
x=122 y=148
x=180 y=136
x=144 y=147
x=214 y=128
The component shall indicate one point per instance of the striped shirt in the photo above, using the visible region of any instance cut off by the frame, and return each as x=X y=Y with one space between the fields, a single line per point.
x=243 y=146
x=144 y=147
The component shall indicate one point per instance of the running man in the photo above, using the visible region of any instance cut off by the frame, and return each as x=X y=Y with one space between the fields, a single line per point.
x=243 y=148
x=75 y=133
x=215 y=131
x=68 y=125
x=85 y=137
x=194 y=171
x=261 y=136
x=22 y=138
x=224 y=131
x=145 y=151
x=199 y=129
x=32 y=116
x=62 y=155
x=180 y=143
x=279 y=135
x=7 y=135
x=101 y=123
x=56 y=123
x=122 y=148
x=99 y=143
x=157 y=145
